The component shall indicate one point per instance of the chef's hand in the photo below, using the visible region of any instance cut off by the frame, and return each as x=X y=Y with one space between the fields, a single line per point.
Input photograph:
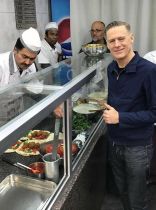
x=110 y=115
x=58 y=111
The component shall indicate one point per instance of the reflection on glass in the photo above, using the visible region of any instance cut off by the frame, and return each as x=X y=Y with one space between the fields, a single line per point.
x=62 y=74
x=15 y=101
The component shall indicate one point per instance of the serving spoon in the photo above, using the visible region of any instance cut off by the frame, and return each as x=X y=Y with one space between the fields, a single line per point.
x=35 y=171
x=20 y=165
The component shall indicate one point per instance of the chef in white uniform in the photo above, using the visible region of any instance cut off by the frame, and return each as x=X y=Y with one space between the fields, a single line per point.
x=20 y=62
x=51 y=51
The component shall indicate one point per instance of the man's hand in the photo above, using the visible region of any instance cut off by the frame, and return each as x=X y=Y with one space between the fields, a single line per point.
x=58 y=111
x=110 y=115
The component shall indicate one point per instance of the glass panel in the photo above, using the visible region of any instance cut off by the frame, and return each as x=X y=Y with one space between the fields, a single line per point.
x=88 y=104
x=63 y=72
x=18 y=99
x=33 y=147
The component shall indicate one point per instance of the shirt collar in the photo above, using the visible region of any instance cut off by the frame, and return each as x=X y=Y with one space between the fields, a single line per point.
x=130 y=67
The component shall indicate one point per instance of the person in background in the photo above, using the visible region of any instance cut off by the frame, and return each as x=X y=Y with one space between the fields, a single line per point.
x=51 y=51
x=130 y=114
x=151 y=56
x=97 y=33
x=20 y=62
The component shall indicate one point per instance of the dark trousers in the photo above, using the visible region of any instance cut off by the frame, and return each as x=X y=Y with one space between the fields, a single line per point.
x=130 y=166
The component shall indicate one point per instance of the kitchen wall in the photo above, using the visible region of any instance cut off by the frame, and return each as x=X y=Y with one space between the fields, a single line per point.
x=8 y=31
x=139 y=13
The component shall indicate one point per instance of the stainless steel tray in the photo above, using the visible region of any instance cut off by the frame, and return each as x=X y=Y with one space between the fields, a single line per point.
x=24 y=193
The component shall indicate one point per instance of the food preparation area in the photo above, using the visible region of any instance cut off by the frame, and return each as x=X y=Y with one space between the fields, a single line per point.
x=27 y=150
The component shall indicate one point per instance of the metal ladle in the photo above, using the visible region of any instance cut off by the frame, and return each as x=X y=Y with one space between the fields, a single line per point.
x=20 y=165
x=27 y=167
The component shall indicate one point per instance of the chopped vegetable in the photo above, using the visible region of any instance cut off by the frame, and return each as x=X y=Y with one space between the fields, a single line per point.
x=80 y=122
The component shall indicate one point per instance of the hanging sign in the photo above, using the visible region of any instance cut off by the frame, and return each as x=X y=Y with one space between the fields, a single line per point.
x=25 y=13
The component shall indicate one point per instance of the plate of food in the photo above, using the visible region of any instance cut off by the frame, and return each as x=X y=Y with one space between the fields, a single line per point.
x=85 y=108
x=28 y=148
x=14 y=147
x=30 y=144
x=40 y=136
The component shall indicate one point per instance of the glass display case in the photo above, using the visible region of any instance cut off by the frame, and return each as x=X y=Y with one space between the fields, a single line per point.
x=76 y=85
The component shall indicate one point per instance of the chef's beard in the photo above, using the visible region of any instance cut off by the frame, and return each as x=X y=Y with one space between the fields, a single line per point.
x=23 y=67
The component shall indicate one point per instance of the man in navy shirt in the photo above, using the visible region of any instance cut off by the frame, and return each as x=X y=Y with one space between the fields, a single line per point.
x=130 y=115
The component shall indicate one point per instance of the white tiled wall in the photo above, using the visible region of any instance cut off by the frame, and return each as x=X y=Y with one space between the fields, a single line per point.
x=8 y=31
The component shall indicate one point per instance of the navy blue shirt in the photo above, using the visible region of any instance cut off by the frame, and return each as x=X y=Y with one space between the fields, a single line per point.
x=132 y=92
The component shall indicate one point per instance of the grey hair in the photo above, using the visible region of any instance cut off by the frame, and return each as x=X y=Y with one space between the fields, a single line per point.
x=117 y=23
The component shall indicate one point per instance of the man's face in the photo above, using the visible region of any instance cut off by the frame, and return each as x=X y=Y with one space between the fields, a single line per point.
x=24 y=58
x=97 y=31
x=52 y=36
x=119 y=42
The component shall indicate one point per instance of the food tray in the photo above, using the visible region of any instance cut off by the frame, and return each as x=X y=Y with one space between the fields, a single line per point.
x=21 y=192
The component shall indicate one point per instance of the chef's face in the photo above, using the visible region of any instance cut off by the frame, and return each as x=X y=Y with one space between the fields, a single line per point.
x=24 y=58
x=51 y=36
x=120 y=42
x=97 y=31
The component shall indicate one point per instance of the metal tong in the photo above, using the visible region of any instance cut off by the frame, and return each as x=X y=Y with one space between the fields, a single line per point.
x=56 y=138
x=97 y=110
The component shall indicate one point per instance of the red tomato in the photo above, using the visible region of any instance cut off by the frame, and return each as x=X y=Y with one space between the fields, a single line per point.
x=60 y=150
x=74 y=148
x=48 y=148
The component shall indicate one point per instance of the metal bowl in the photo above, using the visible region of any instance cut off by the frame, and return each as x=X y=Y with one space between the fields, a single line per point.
x=94 y=49
x=40 y=166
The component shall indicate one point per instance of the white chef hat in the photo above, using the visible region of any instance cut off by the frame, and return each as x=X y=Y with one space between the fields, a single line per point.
x=51 y=25
x=31 y=40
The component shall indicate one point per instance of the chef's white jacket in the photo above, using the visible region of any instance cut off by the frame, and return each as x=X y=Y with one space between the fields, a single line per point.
x=48 y=55
x=10 y=73
x=151 y=56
